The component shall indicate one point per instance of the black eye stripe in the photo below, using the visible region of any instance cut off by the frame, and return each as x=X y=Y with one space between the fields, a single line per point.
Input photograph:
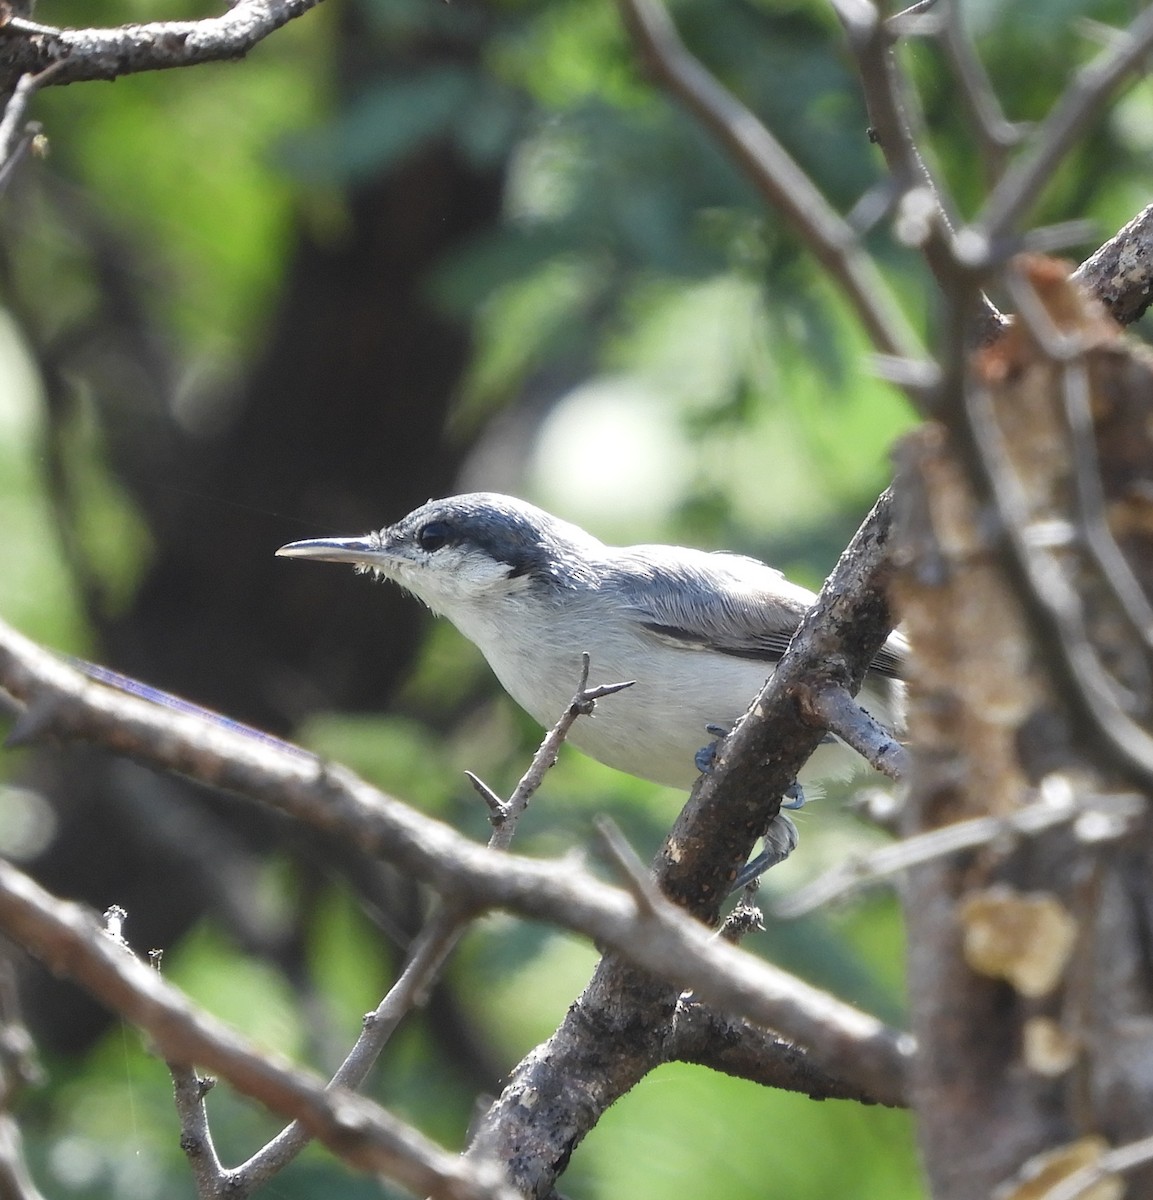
x=433 y=536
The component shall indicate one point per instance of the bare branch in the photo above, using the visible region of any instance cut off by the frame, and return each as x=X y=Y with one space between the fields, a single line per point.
x=837 y=640
x=629 y=868
x=436 y=942
x=665 y=942
x=996 y=135
x=1120 y=273
x=1049 y=592
x=581 y=705
x=775 y=174
x=70 y=942
x=15 y=1181
x=1094 y=524
x=1080 y=104
x=189 y=1091
x=703 y=1036
x=27 y=48
x=1059 y=805
x=832 y=707
x=14 y=110
x=18 y=1069
x=431 y=950
x=1113 y=1162
x=887 y=98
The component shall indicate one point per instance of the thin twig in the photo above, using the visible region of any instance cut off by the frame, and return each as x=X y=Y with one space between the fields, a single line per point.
x=435 y=943
x=886 y=94
x=886 y=99
x=996 y=135
x=1054 y=598
x=26 y=87
x=1112 y=1162
x=208 y=1173
x=18 y=1069
x=1067 y=350
x=1094 y=522
x=431 y=949
x=1111 y=811
x=33 y=131
x=1079 y=105
x=634 y=876
x=545 y=758
x=890 y=112
x=778 y=178
x=12 y=155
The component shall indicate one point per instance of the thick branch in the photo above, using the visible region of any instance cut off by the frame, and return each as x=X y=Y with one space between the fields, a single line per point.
x=1120 y=273
x=703 y=1036
x=732 y=807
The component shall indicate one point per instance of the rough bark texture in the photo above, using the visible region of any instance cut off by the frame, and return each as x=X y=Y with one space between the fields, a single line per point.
x=1029 y=974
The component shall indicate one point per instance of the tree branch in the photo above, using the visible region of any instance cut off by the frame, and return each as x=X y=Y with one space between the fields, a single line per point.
x=1120 y=273
x=1080 y=103
x=617 y=1030
x=27 y=48
x=783 y=185
x=70 y=942
x=664 y=941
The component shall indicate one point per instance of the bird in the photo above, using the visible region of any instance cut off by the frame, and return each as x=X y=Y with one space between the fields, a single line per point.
x=698 y=632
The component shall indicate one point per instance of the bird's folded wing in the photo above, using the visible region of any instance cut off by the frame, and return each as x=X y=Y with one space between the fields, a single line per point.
x=727 y=604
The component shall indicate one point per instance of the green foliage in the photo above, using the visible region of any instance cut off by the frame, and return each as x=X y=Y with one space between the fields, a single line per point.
x=184 y=165
x=36 y=598
x=655 y=1142
x=703 y=382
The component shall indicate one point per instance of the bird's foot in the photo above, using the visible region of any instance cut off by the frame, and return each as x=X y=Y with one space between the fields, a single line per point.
x=780 y=841
x=794 y=796
x=706 y=757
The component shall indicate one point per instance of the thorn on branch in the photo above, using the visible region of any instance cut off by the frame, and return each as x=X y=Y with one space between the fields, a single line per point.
x=581 y=705
x=632 y=873
x=497 y=808
x=586 y=699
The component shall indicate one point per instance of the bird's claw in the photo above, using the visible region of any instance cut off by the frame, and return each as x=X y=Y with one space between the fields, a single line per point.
x=706 y=757
x=794 y=796
x=780 y=842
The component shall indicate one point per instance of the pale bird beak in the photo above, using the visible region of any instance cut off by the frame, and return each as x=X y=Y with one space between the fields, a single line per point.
x=361 y=551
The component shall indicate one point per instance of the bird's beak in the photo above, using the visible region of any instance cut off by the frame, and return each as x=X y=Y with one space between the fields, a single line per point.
x=361 y=551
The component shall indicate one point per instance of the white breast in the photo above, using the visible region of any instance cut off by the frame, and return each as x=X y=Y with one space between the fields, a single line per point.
x=653 y=729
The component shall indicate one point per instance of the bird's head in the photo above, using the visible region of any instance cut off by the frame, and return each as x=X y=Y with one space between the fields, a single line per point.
x=464 y=550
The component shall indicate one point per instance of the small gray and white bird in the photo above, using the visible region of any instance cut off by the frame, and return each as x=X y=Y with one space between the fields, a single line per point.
x=699 y=632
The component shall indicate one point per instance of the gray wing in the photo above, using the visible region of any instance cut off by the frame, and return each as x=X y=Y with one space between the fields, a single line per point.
x=721 y=602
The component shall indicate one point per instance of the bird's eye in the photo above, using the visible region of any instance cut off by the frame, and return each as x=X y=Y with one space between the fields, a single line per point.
x=433 y=535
